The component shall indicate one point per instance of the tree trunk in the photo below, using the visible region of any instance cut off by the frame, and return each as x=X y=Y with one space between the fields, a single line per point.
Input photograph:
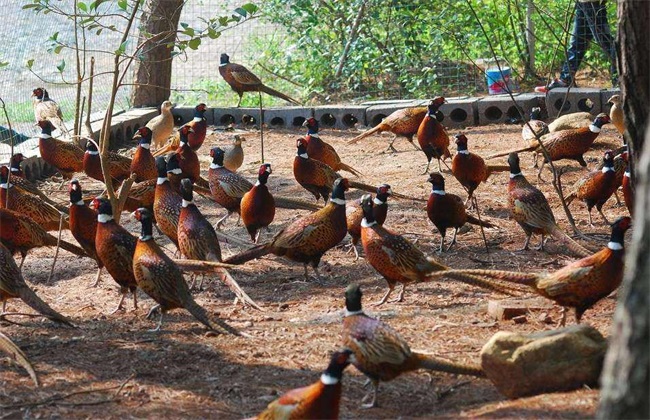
x=626 y=374
x=153 y=74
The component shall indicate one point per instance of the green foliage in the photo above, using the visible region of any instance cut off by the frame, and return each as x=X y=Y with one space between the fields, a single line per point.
x=407 y=48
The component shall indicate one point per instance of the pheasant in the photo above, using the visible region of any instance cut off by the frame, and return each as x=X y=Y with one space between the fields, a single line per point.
x=228 y=188
x=115 y=247
x=432 y=136
x=320 y=150
x=18 y=179
x=597 y=187
x=306 y=240
x=470 y=169
x=195 y=138
x=257 y=207
x=12 y=285
x=143 y=164
x=188 y=161
x=17 y=199
x=83 y=225
x=565 y=144
x=161 y=279
x=616 y=113
x=381 y=353
x=319 y=400
x=397 y=259
x=46 y=109
x=628 y=192
x=447 y=210
x=571 y=122
x=20 y=233
x=403 y=122
x=318 y=177
x=539 y=127
x=578 y=285
x=354 y=214
x=141 y=194
x=119 y=167
x=531 y=210
x=64 y=156
x=243 y=80
x=197 y=239
x=162 y=125
x=234 y=155
x=167 y=203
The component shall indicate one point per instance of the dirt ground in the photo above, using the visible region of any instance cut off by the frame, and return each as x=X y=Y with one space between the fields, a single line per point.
x=113 y=367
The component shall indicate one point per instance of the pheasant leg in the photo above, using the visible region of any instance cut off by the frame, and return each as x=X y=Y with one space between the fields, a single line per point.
x=563 y=319
x=525 y=248
x=119 y=305
x=453 y=240
x=400 y=297
x=426 y=170
x=591 y=222
x=222 y=220
x=541 y=244
x=385 y=298
x=135 y=299
x=99 y=274
x=373 y=393
x=600 y=210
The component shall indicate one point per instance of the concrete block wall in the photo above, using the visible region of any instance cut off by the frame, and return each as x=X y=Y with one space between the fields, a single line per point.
x=458 y=112
x=376 y=113
x=239 y=116
x=289 y=117
x=341 y=117
x=578 y=100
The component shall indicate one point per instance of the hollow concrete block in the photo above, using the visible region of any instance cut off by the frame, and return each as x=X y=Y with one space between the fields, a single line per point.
x=237 y=116
x=340 y=117
x=186 y=114
x=286 y=117
x=605 y=94
x=528 y=101
x=458 y=113
x=577 y=100
x=497 y=109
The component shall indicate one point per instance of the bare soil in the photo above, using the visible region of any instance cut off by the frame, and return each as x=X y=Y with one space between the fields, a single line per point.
x=113 y=367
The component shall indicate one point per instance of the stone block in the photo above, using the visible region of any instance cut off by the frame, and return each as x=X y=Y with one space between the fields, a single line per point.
x=577 y=100
x=340 y=117
x=237 y=116
x=458 y=113
x=510 y=308
x=183 y=115
x=286 y=117
x=497 y=109
x=549 y=361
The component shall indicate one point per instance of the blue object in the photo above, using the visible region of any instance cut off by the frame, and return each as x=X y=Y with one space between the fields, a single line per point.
x=498 y=81
x=6 y=135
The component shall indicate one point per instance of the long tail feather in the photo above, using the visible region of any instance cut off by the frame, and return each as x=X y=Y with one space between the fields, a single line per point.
x=280 y=95
x=497 y=168
x=432 y=363
x=573 y=246
x=475 y=221
x=15 y=353
x=231 y=240
x=51 y=241
x=507 y=152
x=371 y=189
x=290 y=203
x=474 y=280
x=250 y=254
x=33 y=301
x=508 y=276
x=201 y=315
x=197 y=266
x=365 y=134
x=350 y=169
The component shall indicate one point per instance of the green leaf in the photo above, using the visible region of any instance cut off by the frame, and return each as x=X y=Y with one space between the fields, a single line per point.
x=241 y=11
x=122 y=48
x=57 y=49
x=250 y=8
x=3 y=64
x=61 y=66
x=223 y=21
x=54 y=36
x=30 y=63
x=194 y=43
x=82 y=6
x=189 y=31
x=213 y=34
x=122 y=4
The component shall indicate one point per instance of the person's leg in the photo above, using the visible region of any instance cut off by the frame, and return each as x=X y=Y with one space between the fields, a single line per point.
x=602 y=35
x=579 y=43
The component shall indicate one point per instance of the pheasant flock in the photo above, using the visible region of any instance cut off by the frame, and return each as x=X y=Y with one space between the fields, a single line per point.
x=176 y=234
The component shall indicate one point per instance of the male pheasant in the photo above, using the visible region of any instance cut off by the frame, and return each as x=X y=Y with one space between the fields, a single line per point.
x=432 y=136
x=354 y=214
x=325 y=152
x=403 y=122
x=258 y=205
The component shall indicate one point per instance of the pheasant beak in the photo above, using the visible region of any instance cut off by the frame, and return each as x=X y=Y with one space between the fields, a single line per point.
x=305 y=123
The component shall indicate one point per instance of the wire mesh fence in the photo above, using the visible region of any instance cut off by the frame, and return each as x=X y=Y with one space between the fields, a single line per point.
x=319 y=52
